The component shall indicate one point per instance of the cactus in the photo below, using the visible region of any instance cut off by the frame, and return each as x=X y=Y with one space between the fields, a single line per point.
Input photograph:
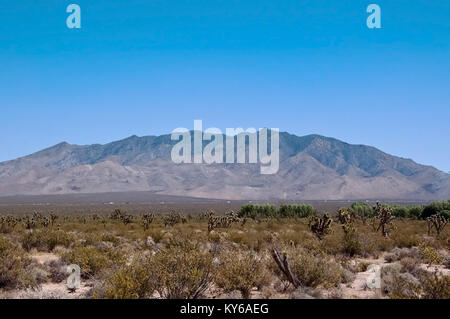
x=438 y=222
x=147 y=219
x=345 y=216
x=29 y=223
x=320 y=226
x=173 y=219
x=45 y=222
x=117 y=214
x=384 y=217
x=7 y=223
x=221 y=221
x=53 y=217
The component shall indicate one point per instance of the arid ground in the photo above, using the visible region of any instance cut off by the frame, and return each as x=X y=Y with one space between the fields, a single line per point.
x=170 y=248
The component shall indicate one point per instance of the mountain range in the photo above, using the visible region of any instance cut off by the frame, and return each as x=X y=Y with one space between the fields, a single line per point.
x=311 y=167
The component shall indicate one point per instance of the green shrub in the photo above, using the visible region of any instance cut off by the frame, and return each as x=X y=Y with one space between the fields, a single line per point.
x=296 y=210
x=257 y=210
x=415 y=211
x=400 y=211
x=362 y=210
x=406 y=211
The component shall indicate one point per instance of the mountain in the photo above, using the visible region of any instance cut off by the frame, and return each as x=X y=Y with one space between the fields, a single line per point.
x=311 y=167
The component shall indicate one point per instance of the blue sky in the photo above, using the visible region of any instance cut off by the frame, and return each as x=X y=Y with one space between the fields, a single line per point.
x=148 y=67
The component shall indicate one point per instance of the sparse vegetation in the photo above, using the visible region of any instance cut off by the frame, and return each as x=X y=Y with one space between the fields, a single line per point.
x=261 y=251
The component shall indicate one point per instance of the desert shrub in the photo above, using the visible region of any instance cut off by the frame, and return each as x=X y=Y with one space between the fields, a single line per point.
x=156 y=234
x=351 y=244
x=424 y=286
x=296 y=210
x=430 y=254
x=397 y=254
x=405 y=238
x=409 y=264
x=434 y=208
x=313 y=270
x=110 y=238
x=58 y=238
x=91 y=261
x=257 y=210
x=57 y=270
x=130 y=282
x=181 y=272
x=91 y=239
x=240 y=270
x=15 y=267
x=435 y=286
x=362 y=210
x=45 y=240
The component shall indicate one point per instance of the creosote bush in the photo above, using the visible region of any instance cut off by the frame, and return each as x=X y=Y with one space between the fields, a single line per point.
x=91 y=260
x=240 y=270
x=15 y=267
x=181 y=272
x=313 y=270
x=130 y=282
x=45 y=240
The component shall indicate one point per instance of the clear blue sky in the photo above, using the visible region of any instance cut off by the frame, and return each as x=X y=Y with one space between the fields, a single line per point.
x=148 y=66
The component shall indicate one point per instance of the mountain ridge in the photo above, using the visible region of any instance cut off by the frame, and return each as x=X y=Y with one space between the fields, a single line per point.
x=311 y=167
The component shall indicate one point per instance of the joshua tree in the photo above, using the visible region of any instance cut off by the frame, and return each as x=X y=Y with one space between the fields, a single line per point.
x=384 y=216
x=320 y=226
x=53 y=217
x=147 y=219
x=283 y=265
x=345 y=216
x=438 y=222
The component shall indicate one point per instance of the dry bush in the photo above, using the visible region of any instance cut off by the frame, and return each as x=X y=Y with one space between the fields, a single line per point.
x=15 y=267
x=178 y=272
x=181 y=272
x=430 y=254
x=410 y=265
x=240 y=270
x=156 y=234
x=91 y=260
x=57 y=271
x=425 y=285
x=313 y=270
x=130 y=282
x=397 y=254
x=351 y=244
x=45 y=240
